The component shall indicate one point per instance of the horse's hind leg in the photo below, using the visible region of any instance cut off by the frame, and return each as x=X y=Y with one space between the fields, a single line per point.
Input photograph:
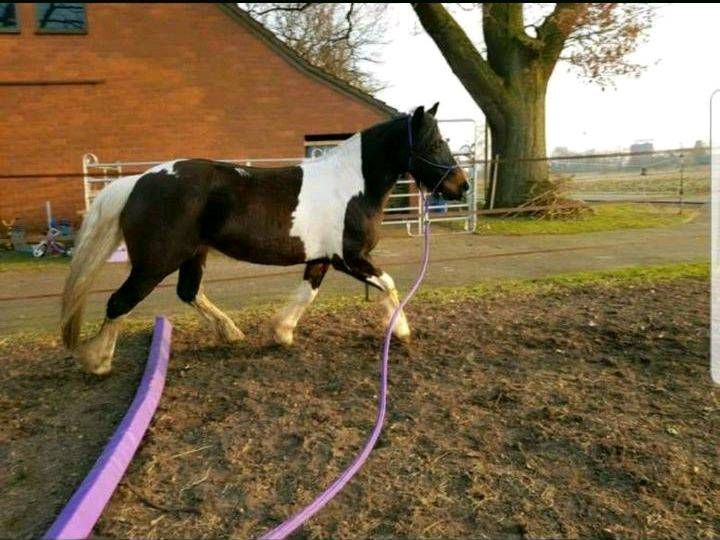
x=286 y=320
x=96 y=353
x=188 y=289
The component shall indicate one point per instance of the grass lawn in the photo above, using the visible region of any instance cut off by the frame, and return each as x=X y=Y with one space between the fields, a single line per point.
x=12 y=260
x=607 y=217
x=696 y=181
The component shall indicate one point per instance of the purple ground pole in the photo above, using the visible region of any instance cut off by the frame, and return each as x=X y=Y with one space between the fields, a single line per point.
x=84 y=508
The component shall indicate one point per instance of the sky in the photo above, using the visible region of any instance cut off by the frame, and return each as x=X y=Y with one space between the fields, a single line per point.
x=668 y=104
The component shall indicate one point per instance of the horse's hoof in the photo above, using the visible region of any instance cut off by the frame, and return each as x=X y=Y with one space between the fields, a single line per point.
x=402 y=330
x=101 y=370
x=94 y=358
x=95 y=366
x=283 y=336
x=283 y=341
x=227 y=331
x=232 y=335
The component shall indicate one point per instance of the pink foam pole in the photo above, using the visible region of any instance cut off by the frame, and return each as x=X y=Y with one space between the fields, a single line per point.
x=84 y=508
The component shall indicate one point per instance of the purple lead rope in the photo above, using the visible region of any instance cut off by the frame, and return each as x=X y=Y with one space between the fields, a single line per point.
x=293 y=523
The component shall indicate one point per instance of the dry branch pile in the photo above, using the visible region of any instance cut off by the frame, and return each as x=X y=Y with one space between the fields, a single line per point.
x=553 y=202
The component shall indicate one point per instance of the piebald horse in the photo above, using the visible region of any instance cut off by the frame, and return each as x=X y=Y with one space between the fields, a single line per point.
x=324 y=212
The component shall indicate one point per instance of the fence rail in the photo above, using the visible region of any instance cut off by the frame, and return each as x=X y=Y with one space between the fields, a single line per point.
x=657 y=175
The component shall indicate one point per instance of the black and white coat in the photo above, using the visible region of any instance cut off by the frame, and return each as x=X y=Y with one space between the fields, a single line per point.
x=324 y=212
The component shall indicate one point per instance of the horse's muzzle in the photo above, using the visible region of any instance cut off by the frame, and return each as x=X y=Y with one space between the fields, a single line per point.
x=455 y=185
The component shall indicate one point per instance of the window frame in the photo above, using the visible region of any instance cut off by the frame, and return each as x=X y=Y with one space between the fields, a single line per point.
x=323 y=142
x=60 y=31
x=16 y=29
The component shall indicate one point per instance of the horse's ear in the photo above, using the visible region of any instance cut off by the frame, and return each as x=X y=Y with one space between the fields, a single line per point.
x=433 y=110
x=417 y=119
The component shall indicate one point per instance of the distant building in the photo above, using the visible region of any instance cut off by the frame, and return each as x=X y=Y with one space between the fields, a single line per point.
x=700 y=154
x=152 y=81
x=645 y=146
x=641 y=160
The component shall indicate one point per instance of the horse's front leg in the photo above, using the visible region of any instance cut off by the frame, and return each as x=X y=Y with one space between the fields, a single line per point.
x=363 y=269
x=287 y=319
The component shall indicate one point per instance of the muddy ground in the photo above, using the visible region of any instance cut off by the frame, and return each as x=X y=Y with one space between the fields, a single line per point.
x=570 y=413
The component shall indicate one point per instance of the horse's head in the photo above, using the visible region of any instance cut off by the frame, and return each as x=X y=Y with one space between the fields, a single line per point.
x=431 y=163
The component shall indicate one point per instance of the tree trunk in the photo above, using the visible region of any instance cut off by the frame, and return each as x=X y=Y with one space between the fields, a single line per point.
x=509 y=86
x=519 y=139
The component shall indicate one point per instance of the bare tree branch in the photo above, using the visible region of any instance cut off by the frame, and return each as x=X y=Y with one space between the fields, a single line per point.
x=596 y=39
x=483 y=84
x=340 y=38
x=255 y=12
x=556 y=28
x=604 y=37
x=349 y=28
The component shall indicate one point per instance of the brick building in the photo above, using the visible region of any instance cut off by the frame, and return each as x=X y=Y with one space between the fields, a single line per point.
x=146 y=82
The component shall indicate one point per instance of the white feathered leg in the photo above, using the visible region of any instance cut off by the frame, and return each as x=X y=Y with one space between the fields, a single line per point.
x=224 y=328
x=286 y=320
x=391 y=301
x=96 y=353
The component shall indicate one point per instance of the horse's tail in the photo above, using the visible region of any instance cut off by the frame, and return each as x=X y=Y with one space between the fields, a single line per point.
x=99 y=235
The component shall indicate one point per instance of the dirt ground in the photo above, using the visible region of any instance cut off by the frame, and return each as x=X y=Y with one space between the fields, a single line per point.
x=567 y=413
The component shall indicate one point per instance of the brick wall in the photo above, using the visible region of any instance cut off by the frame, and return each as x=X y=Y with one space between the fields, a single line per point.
x=176 y=80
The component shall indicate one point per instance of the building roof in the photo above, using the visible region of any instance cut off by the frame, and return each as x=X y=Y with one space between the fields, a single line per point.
x=300 y=63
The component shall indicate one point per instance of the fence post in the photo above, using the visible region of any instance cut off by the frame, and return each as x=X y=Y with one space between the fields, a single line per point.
x=472 y=198
x=493 y=185
x=421 y=215
x=87 y=160
x=486 y=165
x=682 y=182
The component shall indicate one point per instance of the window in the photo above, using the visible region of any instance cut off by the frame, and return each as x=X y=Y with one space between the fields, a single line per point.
x=318 y=145
x=8 y=18
x=61 y=18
